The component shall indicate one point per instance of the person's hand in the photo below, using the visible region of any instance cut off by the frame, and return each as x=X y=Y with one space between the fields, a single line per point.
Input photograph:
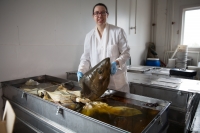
x=79 y=75
x=113 y=68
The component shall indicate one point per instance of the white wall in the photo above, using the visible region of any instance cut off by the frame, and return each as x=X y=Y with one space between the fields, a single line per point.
x=44 y=36
x=138 y=13
x=168 y=35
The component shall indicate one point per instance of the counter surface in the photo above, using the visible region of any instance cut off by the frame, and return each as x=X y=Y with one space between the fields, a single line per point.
x=187 y=85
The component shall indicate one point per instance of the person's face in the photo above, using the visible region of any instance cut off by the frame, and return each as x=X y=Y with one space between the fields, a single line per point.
x=100 y=15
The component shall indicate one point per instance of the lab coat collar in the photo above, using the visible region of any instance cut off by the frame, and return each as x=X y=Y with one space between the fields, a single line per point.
x=105 y=31
x=103 y=41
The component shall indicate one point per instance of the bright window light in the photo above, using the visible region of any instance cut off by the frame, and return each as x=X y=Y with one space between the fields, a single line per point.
x=191 y=31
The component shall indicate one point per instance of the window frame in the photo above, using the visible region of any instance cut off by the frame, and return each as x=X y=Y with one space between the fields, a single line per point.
x=183 y=23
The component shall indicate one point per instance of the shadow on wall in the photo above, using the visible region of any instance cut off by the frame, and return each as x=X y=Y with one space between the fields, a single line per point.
x=152 y=54
x=149 y=52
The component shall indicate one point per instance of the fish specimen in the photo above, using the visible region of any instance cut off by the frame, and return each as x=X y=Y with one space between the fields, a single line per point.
x=95 y=108
x=72 y=100
x=61 y=96
x=95 y=82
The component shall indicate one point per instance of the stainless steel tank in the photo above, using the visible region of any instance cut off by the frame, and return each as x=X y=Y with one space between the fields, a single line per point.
x=37 y=115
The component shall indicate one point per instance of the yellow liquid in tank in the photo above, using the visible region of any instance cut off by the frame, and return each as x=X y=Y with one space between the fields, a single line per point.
x=134 y=124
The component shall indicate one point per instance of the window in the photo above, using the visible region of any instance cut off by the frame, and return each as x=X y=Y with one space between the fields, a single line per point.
x=191 y=27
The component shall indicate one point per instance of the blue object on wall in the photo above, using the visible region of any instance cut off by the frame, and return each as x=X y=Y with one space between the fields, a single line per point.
x=153 y=62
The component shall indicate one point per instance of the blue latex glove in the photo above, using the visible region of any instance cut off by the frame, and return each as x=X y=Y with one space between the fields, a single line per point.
x=79 y=75
x=113 y=68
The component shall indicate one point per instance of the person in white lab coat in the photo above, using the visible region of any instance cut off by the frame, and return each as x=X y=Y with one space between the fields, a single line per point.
x=106 y=40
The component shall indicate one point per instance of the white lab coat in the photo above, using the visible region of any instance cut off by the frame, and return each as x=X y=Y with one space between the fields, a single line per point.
x=113 y=44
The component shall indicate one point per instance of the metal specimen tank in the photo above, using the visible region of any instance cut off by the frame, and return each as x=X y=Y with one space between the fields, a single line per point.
x=35 y=114
x=183 y=93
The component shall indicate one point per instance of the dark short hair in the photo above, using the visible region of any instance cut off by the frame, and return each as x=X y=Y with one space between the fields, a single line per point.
x=100 y=4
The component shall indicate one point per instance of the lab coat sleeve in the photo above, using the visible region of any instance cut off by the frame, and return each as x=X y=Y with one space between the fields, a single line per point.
x=124 y=49
x=84 y=65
